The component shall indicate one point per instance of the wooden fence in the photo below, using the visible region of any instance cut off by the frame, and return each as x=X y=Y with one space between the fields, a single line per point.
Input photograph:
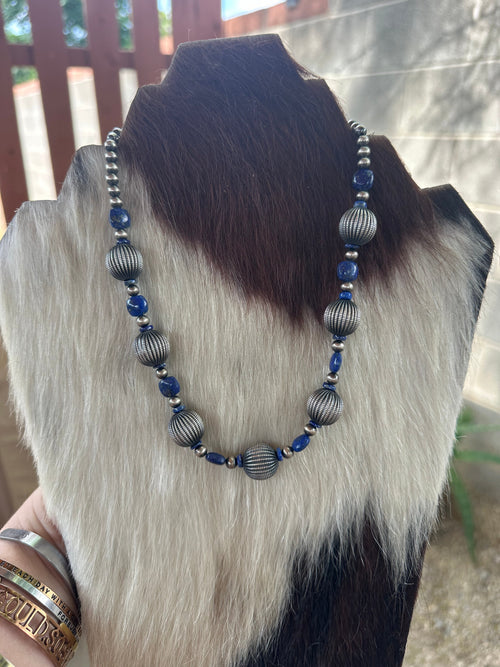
x=191 y=20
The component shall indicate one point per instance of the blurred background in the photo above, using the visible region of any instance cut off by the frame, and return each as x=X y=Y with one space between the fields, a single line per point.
x=424 y=73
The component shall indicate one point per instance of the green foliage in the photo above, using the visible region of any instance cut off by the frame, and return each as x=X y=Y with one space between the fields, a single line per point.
x=466 y=425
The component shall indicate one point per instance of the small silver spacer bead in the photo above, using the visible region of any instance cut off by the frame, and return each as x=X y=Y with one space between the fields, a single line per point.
x=332 y=378
x=133 y=290
x=364 y=162
x=111 y=167
x=230 y=462
x=352 y=254
x=346 y=287
x=110 y=144
x=143 y=321
x=200 y=451
x=363 y=195
x=287 y=452
x=116 y=202
x=338 y=346
x=114 y=190
x=110 y=156
x=310 y=430
x=174 y=402
x=111 y=177
x=121 y=234
x=363 y=140
x=364 y=151
x=161 y=373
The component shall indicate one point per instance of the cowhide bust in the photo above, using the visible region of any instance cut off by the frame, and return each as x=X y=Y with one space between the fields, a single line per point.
x=236 y=170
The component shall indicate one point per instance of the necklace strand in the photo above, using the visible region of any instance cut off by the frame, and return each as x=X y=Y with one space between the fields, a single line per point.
x=324 y=406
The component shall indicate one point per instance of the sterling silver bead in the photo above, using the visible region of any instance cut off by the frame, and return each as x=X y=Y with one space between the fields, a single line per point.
x=116 y=202
x=111 y=177
x=363 y=140
x=142 y=321
x=338 y=346
x=151 y=348
x=363 y=195
x=352 y=255
x=309 y=430
x=260 y=461
x=332 y=378
x=287 y=452
x=111 y=168
x=324 y=406
x=114 y=190
x=346 y=287
x=110 y=144
x=124 y=262
x=364 y=162
x=358 y=226
x=186 y=428
x=201 y=451
x=161 y=373
x=174 y=401
x=111 y=156
x=133 y=290
x=341 y=317
x=230 y=462
x=121 y=234
x=364 y=151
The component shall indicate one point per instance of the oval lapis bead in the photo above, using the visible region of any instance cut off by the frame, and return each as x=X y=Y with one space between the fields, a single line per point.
x=345 y=295
x=330 y=387
x=279 y=453
x=239 y=461
x=362 y=179
x=335 y=362
x=169 y=386
x=360 y=204
x=347 y=270
x=300 y=443
x=214 y=457
x=137 y=305
x=119 y=218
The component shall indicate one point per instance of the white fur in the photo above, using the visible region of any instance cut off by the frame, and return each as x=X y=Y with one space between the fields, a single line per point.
x=177 y=561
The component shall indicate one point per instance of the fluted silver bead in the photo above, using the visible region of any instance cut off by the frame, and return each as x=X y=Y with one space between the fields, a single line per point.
x=358 y=226
x=186 y=428
x=133 y=290
x=201 y=451
x=338 y=346
x=332 y=378
x=161 y=373
x=324 y=406
x=230 y=462
x=260 y=461
x=121 y=234
x=124 y=262
x=309 y=430
x=341 y=317
x=174 y=401
x=151 y=348
x=352 y=255
x=142 y=321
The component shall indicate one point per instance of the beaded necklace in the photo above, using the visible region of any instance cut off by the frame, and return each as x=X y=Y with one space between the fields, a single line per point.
x=357 y=227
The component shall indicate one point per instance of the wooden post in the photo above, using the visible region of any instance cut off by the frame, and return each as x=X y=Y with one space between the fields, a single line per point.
x=148 y=60
x=196 y=19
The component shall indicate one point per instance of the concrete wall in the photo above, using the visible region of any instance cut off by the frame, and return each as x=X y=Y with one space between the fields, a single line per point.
x=427 y=75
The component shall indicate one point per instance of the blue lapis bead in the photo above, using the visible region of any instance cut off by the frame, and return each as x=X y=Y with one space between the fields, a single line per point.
x=347 y=296
x=300 y=443
x=180 y=408
x=239 y=461
x=214 y=457
x=362 y=179
x=119 y=218
x=196 y=444
x=279 y=454
x=123 y=242
x=335 y=362
x=314 y=424
x=169 y=386
x=148 y=327
x=137 y=305
x=347 y=270
x=360 y=204
x=129 y=282
x=330 y=387
x=342 y=338
x=352 y=246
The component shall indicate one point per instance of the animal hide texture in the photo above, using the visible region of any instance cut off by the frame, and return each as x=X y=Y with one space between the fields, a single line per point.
x=180 y=562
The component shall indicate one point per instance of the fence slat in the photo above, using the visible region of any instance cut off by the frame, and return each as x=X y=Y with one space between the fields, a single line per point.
x=12 y=179
x=148 y=61
x=196 y=19
x=104 y=45
x=49 y=52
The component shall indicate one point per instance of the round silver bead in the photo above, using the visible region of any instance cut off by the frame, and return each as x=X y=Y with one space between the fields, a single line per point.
x=116 y=202
x=114 y=190
x=111 y=178
x=230 y=462
x=260 y=461
x=186 y=428
x=363 y=195
x=124 y=262
x=174 y=401
x=121 y=234
x=364 y=162
x=110 y=144
x=287 y=452
x=364 y=151
x=151 y=348
x=346 y=287
x=142 y=321
x=358 y=226
x=324 y=406
x=111 y=168
x=352 y=255
x=111 y=156
x=133 y=290
x=161 y=373
x=332 y=378
x=201 y=451
x=309 y=430
x=363 y=140
x=341 y=317
x=338 y=346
